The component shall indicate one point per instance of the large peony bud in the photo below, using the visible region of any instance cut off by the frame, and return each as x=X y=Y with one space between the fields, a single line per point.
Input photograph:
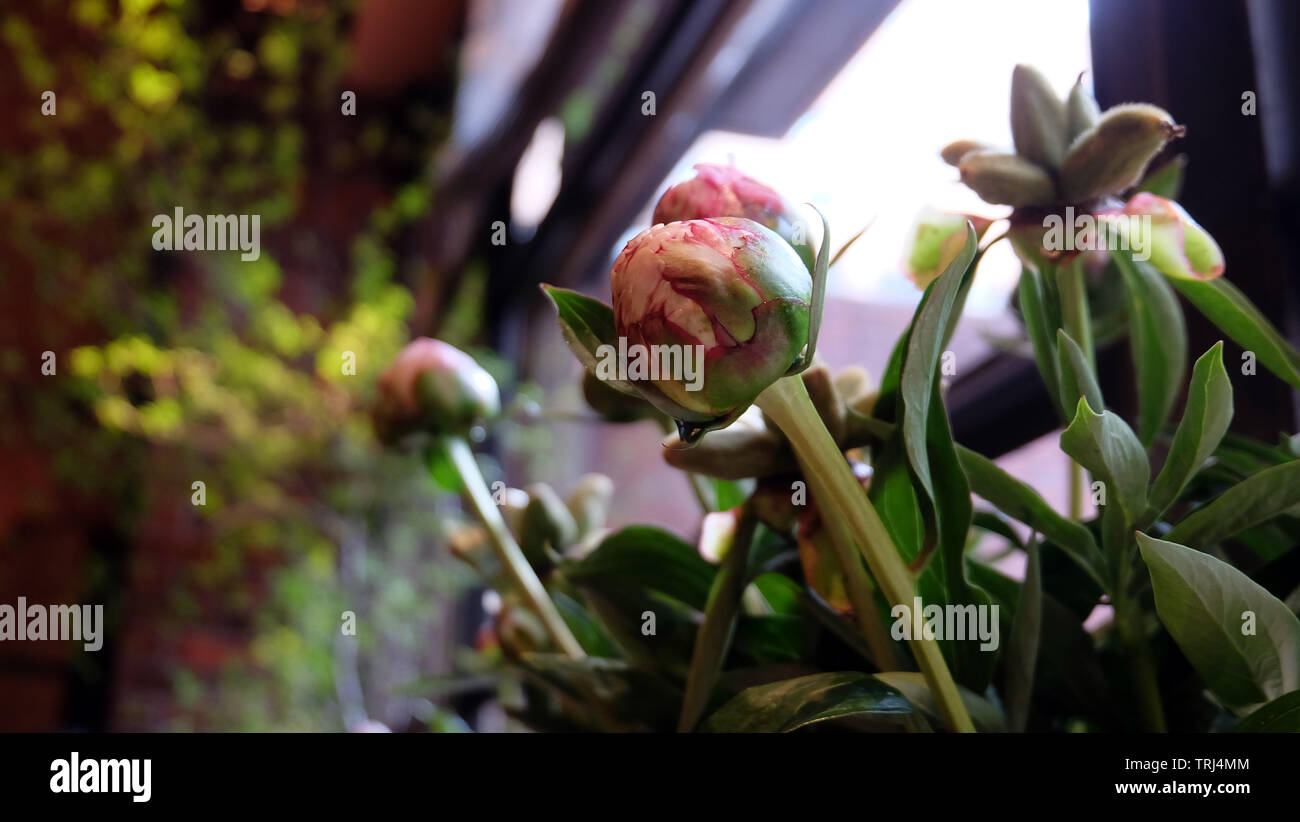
x=727 y=299
x=435 y=387
x=723 y=191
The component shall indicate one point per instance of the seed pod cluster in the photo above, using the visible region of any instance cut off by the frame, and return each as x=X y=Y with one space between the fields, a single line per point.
x=1066 y=151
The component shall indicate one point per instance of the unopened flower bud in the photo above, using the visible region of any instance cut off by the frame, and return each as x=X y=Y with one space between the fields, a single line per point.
x=1037 y=118
x=1178 y=246
x=1006 y=179
x=432 y=386
x=727 y=299
x=1113 y=154
x=589 y=502
x=723 y=191
x=546 y=523
x=717 y=533
x=937 y=238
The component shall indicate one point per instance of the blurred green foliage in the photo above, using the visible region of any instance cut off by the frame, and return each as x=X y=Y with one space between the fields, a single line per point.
x=200 y=367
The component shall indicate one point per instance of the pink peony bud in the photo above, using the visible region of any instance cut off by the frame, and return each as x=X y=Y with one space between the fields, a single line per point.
x=434 y=387
x=723 y=191
x=1178 y=246
x=726 y=298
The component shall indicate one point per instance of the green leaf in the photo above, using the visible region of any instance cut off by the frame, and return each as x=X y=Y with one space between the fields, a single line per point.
x=585 y=627
x=1039 y=329
x=1165 y=181
x=920 y=366
x=1022 y=654
x=637 y=698
x=1105 y=445
x=1077 y=379
x=1255 y=499
x=1236 y=316
x=649 y=557
x=1281 y=716
x=1158 y=341
x=1205 y=421
x=1204 y=604
x=792 y=704
x=1022 y=503
x=818 y=296
x=586 y=324
x=912 y=685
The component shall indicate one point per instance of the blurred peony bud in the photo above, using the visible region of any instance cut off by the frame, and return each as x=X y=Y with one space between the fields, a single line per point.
x=1178 y=246
x=589 y=502
x=937 y=238
x=434 y=387
x=722 y=191
x=725 y=299
x=717 y=533
x=547 y=523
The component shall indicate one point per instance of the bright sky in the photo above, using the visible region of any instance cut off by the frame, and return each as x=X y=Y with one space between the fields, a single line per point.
x=935 y=71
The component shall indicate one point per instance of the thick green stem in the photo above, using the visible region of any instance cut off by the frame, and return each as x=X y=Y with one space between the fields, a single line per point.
x=714 y=637
x=512 y=560
x=1128 y=622
x=1077 y=319
x=839 y=495
x=1075 y=313
x=1076 y=490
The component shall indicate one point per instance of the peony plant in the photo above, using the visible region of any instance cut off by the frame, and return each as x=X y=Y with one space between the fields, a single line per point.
x=837 y=509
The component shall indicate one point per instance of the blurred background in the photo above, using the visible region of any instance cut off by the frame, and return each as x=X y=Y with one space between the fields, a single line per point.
x=560 y=121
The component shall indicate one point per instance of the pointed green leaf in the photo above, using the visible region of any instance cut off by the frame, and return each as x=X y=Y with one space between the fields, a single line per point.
x=1105 y=445
x=586 y=324
x=649 y=557
x=912 y=685
x=791 y=704
x=1242 y=640
x=819 y=276
x=1077 y=379
x=1022 y=503
x=1281 y=716
x=1022 y=654
x=921 y=363
x=1038 y=328
x=1205 y=421
x=1237 y=316
x=1158 y=342
x=1255 y=499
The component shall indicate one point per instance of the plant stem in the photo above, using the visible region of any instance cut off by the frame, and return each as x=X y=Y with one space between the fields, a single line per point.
x=840 y=496
x=521 y=574
x=1075 y=314
x=1128 y=624
x=1077 y=319
x=1076 y=490
x=714 y=637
